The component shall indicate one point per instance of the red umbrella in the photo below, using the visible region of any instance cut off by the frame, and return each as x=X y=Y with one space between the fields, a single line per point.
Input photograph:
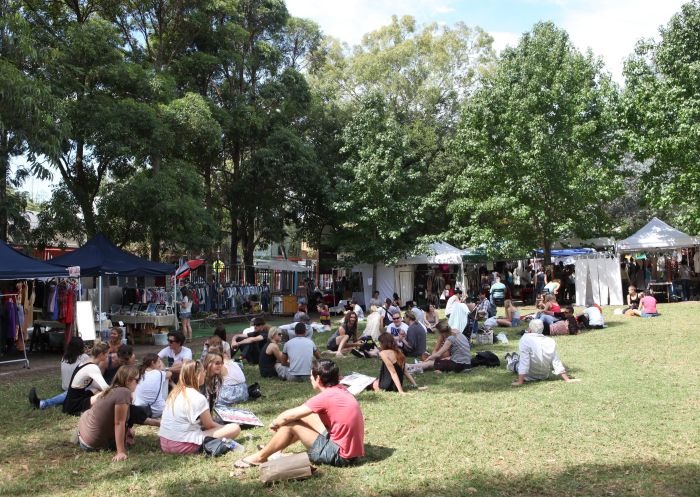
x=184 y=270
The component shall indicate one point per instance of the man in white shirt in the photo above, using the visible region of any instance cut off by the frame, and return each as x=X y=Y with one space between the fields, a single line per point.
x=397 y=326
x=457 y=297
x=175 y=353
x=536 y=357
x=375 y=300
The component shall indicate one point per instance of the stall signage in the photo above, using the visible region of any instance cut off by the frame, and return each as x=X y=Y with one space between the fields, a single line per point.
x=217 y=266
x=73 y=271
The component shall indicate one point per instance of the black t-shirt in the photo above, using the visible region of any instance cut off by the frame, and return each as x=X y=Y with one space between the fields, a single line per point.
x=266 y=362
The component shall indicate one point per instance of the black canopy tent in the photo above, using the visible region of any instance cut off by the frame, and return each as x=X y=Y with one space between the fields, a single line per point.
x=15 y=265
x=99 y=257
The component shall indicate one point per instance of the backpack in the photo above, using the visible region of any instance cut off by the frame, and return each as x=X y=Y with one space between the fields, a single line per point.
x=485 y=358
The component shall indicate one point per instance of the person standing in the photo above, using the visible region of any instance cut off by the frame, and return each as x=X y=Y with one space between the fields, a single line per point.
x=186 y=314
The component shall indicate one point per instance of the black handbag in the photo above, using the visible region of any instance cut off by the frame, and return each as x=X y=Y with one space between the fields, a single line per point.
x=214 y=447
x=254 y=391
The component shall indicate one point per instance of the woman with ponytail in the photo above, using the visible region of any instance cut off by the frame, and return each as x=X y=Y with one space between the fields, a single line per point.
x=153 y=387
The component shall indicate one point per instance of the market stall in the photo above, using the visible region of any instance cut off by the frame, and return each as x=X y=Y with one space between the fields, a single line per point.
x=285 y=278
x=17 y=302
x=421 y=277
x=655 y=254
x=99 y=257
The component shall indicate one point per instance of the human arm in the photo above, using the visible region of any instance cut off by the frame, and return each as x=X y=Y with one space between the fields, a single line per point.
x=317 y=354
x=523 y=364
x=97 y=378
x=245 y=341
x=207 y=422
x=290 y=415
x=121 y=412
x=279 y=356
x=436 y=355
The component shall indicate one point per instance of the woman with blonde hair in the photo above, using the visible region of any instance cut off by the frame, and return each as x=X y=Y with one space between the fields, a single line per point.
x=512 y=317
x=186 y=418
x=273 y=363
x=224 y=381
x=104 y=425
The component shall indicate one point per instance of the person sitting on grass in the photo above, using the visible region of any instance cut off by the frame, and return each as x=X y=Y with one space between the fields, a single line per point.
x=87 y=379
x=647 y=306
x=75 y=356
x=431 y=318
x=330 y=425
x=176 y=352
x=413 y=341
x=393 y=368
x=218 y=339
x=301 y=310
x=153 y=385
x=536 y=356
x=344 y=340
x=124 y=357
x=114 y=341
x=224 y=381
x=567 y=326
x=458 y=347
x=375 y=323
x=592 y=318
x=632 y=301
x=186 y=419
x=357 y=309
x=273 y=363
x=324 y=316
x=104 y=425
x=299 y=353
x=512 y=317
x=250 y=341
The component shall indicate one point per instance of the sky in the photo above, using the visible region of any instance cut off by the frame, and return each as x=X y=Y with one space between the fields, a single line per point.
x=611 y=28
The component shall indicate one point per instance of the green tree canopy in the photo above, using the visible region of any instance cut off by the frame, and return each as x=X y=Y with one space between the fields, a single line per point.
x=536 y=152
x=662 y=115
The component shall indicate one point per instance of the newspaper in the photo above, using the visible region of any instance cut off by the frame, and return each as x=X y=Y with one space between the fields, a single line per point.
x=357 y=382
x=238 y=416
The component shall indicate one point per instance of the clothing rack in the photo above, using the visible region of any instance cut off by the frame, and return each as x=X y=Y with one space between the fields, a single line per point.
x=24 y=345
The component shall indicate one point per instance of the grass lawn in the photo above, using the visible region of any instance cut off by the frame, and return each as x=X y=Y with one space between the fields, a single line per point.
x=631 y=427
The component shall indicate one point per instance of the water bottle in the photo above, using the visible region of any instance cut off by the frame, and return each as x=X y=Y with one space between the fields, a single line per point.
x=233 y=445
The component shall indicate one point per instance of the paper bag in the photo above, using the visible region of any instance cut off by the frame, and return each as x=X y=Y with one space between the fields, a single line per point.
x=294 y=467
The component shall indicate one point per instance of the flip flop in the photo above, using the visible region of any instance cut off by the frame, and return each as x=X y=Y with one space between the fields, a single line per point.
x=245 y=463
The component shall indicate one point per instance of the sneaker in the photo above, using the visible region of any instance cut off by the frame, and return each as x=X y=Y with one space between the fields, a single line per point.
x=507 y=356
x=357 y=353
x=34 y=400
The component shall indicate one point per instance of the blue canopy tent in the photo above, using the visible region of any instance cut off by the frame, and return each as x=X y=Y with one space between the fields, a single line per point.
x=99 y=257
x=15 y=265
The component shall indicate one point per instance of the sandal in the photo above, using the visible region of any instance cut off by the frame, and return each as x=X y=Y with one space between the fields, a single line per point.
x=245 y=463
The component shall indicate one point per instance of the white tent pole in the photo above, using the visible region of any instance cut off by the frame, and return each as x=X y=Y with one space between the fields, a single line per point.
x=174 y=281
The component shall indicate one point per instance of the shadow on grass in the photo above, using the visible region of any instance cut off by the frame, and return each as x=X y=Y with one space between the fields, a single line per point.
x=589 y=480
x=376 y=453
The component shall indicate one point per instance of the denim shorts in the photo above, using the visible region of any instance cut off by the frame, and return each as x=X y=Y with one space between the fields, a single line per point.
x=185 y=315
x=651 y=315
x=326 y=451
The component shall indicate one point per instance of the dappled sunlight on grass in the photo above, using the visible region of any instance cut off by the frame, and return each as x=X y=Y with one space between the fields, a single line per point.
x=630 y=427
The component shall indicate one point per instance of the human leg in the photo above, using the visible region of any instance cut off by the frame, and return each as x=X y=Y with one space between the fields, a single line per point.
x=504 y=323
x=305 y=430
x=341 y=341
x=56 y=400
x=231 y=430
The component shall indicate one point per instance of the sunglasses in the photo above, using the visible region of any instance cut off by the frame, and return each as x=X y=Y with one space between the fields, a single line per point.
x=396 y=319
x=172 y=341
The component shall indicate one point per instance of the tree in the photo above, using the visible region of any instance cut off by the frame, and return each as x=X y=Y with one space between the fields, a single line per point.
x=24 y=101
x=102 y=120
x=662 y=115
x=536 y=152
x=403 y=87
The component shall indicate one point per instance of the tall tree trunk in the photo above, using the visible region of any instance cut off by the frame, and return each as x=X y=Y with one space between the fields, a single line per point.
x=4 y=170
x=233 y=253
x=155 y=235
x=248 y=243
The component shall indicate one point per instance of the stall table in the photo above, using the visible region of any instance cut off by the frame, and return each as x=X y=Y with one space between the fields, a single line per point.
x=40 y=334
x=660 y=288
x=144 y=325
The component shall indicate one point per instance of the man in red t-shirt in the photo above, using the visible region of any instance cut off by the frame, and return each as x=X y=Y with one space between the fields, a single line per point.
x=330 y=425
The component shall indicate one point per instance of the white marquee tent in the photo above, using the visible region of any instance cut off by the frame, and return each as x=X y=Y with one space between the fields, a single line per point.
x=399 y=279
x=657 y=236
